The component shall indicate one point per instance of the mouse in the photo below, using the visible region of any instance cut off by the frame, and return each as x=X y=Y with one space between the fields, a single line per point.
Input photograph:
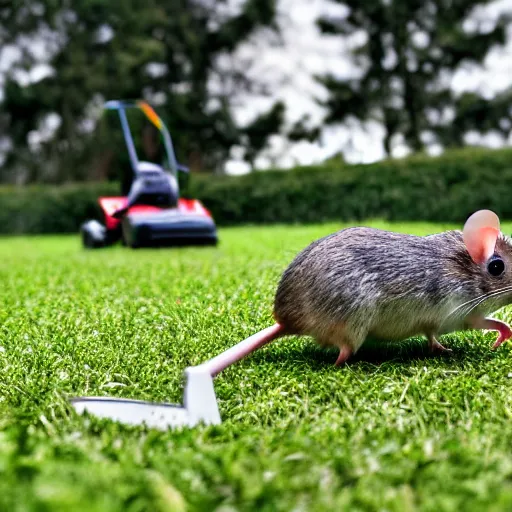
x=363 y=282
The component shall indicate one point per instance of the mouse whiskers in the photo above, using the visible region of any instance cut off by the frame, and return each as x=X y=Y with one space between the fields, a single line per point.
x=467 y=307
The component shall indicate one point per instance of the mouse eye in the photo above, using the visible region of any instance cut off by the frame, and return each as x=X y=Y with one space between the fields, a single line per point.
x=496 y=267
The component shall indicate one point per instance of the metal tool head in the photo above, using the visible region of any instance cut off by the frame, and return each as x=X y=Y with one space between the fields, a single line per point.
x=200 y=406
x=199 y=400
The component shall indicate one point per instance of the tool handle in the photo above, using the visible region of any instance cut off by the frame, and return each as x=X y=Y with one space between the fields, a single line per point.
x=232 y=355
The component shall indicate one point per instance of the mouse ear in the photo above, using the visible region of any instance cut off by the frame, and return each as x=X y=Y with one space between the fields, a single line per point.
x=480 y=234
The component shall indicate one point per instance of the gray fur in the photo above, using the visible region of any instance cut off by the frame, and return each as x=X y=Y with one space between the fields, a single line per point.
x=363 y=282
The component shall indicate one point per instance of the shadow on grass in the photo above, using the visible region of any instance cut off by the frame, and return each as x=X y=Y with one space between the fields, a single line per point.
x=374 y=352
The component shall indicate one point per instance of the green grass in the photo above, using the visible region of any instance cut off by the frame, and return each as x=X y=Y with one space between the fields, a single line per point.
x=396 y=429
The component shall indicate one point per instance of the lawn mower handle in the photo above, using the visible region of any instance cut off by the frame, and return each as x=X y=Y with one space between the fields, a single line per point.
x=121 y=107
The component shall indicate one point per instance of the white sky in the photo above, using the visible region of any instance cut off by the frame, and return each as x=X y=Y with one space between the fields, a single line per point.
x=304 y=52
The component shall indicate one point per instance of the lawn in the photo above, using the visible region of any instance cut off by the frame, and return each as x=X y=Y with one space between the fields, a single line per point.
x=396 y=429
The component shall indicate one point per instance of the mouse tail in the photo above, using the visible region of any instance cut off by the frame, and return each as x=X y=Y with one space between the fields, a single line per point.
x=244 y=348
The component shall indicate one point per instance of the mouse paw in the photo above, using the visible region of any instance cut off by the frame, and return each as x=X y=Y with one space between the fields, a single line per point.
x=505 y=333
x=435 y=346
x=504 y=330
x=344 y=355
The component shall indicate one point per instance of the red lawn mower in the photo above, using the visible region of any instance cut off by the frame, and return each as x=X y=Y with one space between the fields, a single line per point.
x=152 y=213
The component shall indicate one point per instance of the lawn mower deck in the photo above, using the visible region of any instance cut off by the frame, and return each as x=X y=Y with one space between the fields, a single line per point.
x=189 y=223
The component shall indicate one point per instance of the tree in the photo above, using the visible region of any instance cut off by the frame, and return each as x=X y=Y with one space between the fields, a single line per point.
x=475 y=114
x=165 y=52
x=256 y=133
x=410 y=50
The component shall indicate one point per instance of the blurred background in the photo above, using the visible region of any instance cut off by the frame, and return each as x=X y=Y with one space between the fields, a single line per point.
x=247 y=85
x=253 y=83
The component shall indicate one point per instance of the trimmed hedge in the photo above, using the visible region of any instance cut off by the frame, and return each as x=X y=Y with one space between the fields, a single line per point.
x=49 y=209
x=446 y=188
